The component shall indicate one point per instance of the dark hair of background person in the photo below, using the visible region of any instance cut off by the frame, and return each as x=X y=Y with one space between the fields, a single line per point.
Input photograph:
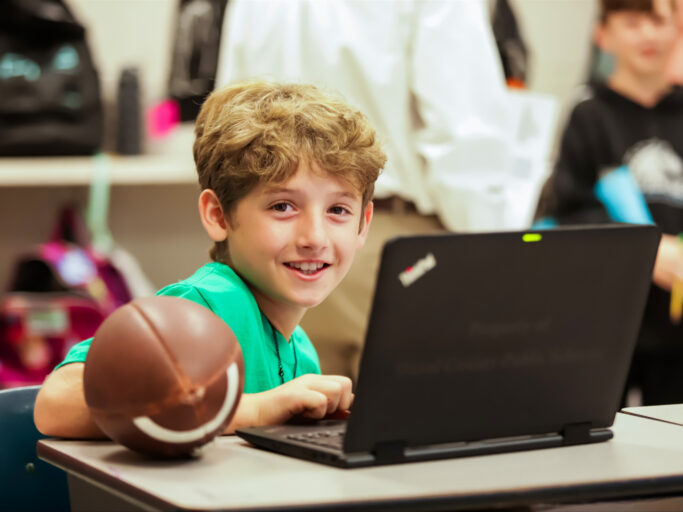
x=609 y=6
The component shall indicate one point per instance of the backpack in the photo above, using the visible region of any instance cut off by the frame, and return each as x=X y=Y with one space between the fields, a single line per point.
x=49 y=90
x=59 y=294
x=195 y=53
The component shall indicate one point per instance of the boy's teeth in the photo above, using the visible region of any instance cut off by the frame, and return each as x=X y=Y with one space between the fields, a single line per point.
x=307 y=267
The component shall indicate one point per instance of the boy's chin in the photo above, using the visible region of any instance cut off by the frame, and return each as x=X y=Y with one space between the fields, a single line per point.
x=310 y=298
x=650 y=69
x=309 y=302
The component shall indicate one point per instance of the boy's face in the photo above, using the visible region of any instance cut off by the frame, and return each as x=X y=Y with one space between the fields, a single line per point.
x=640 y=41
x=294 y=241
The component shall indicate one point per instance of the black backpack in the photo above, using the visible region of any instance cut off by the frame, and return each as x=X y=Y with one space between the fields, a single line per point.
x=49 y=90
x=195 y=53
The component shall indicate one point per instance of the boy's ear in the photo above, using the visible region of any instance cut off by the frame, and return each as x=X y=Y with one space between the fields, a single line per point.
x=365 y=224
x=601 y=37
x=211 y=215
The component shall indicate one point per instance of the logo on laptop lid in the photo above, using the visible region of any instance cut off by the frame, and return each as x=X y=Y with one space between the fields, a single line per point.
x=419 y=269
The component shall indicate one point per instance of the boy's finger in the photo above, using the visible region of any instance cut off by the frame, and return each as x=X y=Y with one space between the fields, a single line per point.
x=333 y=402
x=329 y=387
x=346 y=396
x=336 y=388
x=345 y=383
x=346 y=401
x=314 y=404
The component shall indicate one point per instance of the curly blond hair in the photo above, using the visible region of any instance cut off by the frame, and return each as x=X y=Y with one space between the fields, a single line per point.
x=257 y=132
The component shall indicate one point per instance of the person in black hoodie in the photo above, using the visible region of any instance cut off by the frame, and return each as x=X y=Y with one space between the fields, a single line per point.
x=635 y=119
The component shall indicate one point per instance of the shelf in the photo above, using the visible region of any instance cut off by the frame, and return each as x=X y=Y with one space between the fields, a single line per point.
x=168 y=162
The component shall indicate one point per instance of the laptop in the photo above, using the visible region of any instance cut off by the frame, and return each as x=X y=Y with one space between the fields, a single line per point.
x=488 y=343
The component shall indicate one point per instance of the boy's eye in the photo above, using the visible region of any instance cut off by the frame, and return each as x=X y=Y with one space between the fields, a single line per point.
x=657 y=20
x=630 y=19
x=339 y=210
x=281 y=207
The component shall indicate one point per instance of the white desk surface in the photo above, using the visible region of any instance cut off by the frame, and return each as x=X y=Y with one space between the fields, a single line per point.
x=669 y=413
x=645 y=457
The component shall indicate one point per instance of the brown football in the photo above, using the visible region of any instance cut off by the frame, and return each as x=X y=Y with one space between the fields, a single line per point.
x=163 y=376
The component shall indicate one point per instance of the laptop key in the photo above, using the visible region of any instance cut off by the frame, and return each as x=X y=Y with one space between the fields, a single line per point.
x=327 y=438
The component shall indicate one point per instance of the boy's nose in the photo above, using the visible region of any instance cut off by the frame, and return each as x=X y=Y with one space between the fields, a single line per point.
x=312 y=234
x=648 y=29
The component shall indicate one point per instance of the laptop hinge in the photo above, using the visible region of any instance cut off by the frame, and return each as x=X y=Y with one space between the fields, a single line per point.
x=389 y=451
x=577 y=433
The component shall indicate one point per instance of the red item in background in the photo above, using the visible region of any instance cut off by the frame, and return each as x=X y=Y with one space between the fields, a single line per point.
x=59 y=294
x=38 y=329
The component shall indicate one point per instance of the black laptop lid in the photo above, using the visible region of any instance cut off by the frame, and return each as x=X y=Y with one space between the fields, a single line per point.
x=479 y=336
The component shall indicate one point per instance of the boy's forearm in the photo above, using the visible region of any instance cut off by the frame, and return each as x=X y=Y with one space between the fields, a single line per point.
x=60 y=409
x=247 y=414
x=270 y=407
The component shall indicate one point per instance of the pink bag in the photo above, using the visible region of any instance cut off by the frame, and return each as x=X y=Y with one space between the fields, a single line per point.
x=59 y=294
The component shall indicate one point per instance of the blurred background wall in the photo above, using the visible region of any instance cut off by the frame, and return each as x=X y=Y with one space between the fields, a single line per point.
x=158 y=222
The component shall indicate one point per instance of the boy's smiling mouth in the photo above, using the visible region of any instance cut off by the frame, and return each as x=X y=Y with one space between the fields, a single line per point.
x=307 y=268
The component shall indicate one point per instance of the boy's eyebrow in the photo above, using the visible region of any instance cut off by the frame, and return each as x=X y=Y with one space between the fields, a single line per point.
x=277 y=190
x=350 y=195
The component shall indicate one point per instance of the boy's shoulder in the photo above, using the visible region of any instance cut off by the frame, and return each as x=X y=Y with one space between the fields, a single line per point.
x=673 y=100
x=590 y=98
x=211 y=285
x=598 y=105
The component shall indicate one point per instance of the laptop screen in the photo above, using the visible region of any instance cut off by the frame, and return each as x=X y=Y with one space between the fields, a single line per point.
x=476 y=336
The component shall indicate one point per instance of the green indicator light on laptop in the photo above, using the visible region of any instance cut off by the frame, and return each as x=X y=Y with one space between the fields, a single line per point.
x=531 y=237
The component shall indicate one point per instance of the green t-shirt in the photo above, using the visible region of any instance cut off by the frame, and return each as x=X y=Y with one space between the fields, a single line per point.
x=217 y=287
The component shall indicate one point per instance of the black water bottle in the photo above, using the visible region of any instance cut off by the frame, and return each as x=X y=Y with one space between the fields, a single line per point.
x=129 y=124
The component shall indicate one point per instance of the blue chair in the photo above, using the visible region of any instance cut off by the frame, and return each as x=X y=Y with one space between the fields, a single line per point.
x=28 y=484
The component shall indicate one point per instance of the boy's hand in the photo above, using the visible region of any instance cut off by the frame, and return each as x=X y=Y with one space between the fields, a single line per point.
x=309 y=396
x=669 y=262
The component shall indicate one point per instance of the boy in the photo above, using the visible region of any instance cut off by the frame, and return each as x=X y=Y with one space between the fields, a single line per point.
x=636 y=120
x=287 y=175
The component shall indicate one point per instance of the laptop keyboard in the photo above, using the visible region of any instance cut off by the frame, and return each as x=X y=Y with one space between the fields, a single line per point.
x=327 y=438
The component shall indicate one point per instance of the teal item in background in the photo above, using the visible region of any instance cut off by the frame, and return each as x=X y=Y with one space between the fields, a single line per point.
x=620 y=194
x=544 y=223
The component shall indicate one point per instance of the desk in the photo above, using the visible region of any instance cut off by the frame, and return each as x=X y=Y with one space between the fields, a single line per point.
x=645 y=458
x=669 y=413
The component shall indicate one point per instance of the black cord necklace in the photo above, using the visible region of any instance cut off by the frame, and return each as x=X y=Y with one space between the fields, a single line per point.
x=281 y=371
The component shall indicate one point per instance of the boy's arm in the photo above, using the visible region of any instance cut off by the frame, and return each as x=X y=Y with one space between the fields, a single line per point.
x=60 y=409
